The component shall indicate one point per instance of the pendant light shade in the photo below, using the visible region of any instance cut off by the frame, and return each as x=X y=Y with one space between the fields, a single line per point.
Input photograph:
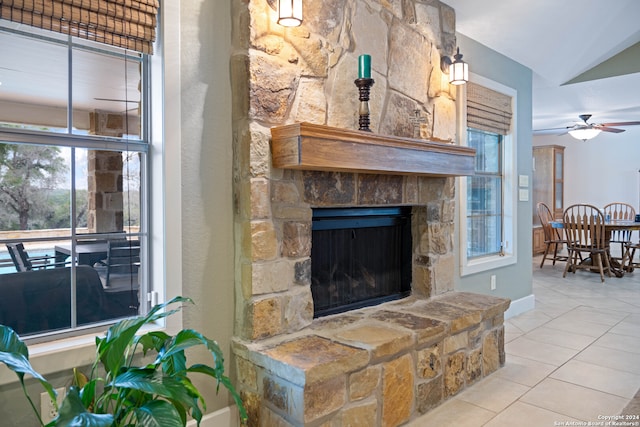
x=290 y=13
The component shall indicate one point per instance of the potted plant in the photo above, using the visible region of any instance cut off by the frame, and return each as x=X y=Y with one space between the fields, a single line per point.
x=117 y=393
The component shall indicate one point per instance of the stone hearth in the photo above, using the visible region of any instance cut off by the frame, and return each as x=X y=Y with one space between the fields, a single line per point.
x=379 y=366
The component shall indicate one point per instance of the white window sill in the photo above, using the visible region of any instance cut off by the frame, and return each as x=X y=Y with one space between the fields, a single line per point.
x=487 y=263
x=61 y=355
x=56 y=356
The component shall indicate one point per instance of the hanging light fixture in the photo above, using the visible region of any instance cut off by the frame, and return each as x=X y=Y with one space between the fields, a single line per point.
x=290 y=13
x=584 y=133
x=458 y=70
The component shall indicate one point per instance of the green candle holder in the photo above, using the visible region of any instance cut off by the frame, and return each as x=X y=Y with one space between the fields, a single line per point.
x=364 y=87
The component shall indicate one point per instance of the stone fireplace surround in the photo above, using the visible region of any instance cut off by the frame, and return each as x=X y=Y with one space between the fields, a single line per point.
x=377 y=366
x=384 y=365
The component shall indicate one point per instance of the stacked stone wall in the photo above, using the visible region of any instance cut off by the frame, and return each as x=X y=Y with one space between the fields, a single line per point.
x=307 y=74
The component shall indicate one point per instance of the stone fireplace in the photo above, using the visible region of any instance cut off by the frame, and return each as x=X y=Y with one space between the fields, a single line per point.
x=375 y=366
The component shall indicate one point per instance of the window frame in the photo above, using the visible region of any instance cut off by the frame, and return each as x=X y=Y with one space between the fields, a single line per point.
x=164 y=242
x=509 y=255
x=70 y=138
x=497 y=175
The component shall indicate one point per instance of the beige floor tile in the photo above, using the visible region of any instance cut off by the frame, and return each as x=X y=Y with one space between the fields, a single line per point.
x=454 y=413
x=631 y=329
x=511 y=331
x=619 y=342
x=578 y=327
x=542 y=352
x=524 y=371
x=510 y=336
x=493 y=393
x=530 y=320
x=553 y=308
x=603 y=301
x=594 y=315
x=633 y=318
x=560 y=338
x=611 y=358
x=573 y=400
x=619 y=383
x=524 y=415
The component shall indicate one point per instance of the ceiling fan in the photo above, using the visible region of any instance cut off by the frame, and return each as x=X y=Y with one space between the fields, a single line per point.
x=585 y=130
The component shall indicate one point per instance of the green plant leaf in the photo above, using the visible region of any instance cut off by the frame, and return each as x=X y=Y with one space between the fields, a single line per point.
x=153 y=340
x=112 y=348
x=73 y=413
x=11 y=342
x=88 y=394
x=174 y=364
x=225 y=381
x=14 y=354
x=158 y=413
x=187 y=338
x=153 y=382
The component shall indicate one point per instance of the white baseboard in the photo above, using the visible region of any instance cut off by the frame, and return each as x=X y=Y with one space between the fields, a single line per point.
x=520 y=306
x=225 y=417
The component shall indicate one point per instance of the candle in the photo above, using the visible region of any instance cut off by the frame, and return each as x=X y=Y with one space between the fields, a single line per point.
x=364 y=67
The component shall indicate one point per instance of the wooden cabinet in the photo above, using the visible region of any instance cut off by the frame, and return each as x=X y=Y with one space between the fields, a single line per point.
x=548 y=185
x=538 y=240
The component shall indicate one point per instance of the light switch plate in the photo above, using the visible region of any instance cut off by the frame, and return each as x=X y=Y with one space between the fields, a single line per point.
x=524 y=195
x=523 y=180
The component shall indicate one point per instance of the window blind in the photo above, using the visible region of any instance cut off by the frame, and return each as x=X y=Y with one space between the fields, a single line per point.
x=488 y=110
x=129 y=24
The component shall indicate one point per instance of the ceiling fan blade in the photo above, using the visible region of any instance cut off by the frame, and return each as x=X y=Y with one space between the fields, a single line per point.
x=608 y=129
x=621 y=124
x=552 y=131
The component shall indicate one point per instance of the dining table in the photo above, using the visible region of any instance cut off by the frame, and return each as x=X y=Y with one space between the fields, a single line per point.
x=618 y=268
x=87 y=253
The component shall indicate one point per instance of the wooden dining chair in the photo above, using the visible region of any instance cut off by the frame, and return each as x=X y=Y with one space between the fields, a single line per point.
x=585 y=232
x=618 y=211
x=552 y=236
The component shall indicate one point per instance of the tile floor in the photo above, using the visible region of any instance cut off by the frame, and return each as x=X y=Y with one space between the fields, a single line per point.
x=572 y=360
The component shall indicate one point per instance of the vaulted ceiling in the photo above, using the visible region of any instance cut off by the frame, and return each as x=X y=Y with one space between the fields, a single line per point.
x=585 y=55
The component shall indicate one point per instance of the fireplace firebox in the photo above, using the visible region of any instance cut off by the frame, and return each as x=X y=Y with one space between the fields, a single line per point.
x=359 y=257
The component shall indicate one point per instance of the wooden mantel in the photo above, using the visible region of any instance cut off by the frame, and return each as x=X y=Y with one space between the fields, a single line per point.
x=317 y=147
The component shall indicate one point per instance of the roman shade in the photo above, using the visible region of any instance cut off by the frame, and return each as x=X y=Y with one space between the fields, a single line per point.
x=129 y=24
x=488 y=110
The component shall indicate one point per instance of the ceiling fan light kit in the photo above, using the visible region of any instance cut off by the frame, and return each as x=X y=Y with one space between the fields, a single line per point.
x=585 y=131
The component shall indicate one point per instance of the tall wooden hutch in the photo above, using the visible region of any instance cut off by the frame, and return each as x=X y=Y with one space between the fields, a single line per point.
x=548 y=187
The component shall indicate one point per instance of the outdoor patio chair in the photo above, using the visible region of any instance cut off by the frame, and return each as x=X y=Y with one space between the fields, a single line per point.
x=24 y=262
x=120 y=269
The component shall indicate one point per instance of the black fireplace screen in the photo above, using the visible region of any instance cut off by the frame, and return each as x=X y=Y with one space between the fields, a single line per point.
x=359 y=257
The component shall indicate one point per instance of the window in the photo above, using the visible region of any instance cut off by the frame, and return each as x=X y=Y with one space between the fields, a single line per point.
x=487 y=199
x=484 y=196
x=74 y=168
